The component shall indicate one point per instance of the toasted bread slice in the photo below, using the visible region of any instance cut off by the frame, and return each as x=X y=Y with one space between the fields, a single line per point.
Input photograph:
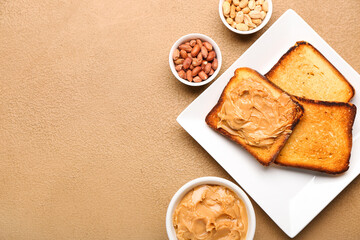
x=265 y=152
x=303 y=71
x=323 y=138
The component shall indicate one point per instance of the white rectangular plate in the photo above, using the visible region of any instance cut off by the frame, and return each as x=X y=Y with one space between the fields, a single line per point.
x=291 y=197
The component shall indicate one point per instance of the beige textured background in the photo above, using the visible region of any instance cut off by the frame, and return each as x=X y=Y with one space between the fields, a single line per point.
x=89 y=145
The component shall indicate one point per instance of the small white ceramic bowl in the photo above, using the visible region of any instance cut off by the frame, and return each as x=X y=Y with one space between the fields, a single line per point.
x=185 y=39
x=266 y=19
x=211 y=181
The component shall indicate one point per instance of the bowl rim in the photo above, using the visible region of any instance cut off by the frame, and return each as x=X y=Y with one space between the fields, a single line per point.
x=212 y=181
x=195 y=36
x=258 y=28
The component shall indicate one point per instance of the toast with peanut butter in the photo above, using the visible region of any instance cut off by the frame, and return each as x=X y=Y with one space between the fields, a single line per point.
x=322 y=140
x=303 y=71
x=256 y=114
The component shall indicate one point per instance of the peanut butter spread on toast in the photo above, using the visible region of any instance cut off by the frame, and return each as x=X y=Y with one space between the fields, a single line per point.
x=250 y=110
x=210 y=212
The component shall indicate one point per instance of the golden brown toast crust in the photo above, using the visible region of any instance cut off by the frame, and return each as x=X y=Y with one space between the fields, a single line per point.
x=264 y=155
x=304 y=142
x=273 y=70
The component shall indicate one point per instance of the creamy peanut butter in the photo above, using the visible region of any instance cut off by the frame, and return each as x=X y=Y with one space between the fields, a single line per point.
x=251 y=111
x=210 y=212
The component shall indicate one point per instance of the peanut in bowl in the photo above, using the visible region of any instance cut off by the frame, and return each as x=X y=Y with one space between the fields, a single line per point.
x=188 y=61
x=245 y=16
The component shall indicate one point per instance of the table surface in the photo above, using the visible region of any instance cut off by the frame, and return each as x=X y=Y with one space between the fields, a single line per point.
x=89 y=144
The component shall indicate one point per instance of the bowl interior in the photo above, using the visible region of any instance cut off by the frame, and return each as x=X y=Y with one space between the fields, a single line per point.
x=264 y=22
x=210 y=181
x=185 y=39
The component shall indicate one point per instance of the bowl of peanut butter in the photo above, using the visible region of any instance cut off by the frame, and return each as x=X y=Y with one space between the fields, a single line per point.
x=210 y=208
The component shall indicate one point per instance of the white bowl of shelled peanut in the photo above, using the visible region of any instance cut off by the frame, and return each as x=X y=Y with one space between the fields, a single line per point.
x=245 y=16
x=195 y=59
